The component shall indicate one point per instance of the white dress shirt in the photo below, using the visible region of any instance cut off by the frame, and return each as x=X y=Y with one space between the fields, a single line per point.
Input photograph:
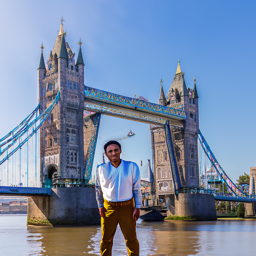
x=118 y=184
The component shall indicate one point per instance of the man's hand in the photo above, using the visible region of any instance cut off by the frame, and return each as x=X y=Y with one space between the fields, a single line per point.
x=136 y=214
x=102 y=211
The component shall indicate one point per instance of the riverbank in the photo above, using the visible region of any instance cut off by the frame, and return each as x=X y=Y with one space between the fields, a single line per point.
x=236 y=218
x=188 y=218
x=14 y=212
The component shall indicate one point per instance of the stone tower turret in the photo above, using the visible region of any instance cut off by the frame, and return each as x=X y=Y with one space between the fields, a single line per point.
x=162 y=99
x=61 y=136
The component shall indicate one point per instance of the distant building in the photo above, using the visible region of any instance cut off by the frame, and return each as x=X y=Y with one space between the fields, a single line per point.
x=147 y=184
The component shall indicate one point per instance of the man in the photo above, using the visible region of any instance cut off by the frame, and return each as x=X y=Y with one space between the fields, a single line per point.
x=119 y=199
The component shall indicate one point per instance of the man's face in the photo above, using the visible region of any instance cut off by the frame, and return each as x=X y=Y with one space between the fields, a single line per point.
x=113 y=153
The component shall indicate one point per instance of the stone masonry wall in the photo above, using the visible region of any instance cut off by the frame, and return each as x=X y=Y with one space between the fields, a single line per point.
x=66 y=206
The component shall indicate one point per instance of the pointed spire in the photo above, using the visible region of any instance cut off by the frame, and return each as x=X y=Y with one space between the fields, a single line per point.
x=195 y=90
x=178 y=71
x=41 y=63
x=63 y=49
x=80 y=56
x=61 y=27
x=162 y=99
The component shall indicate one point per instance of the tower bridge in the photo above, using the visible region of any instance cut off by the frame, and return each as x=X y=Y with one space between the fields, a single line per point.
x=63 y=141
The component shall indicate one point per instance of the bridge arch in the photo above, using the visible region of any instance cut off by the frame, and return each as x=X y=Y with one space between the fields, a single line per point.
x=50 y=175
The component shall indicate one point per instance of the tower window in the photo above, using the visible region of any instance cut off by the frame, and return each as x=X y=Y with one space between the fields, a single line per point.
x=71 y=67
x=192 y=153
x=191 y=100
x=192 y=170
x=75 y=86
x=50 y=142
x=193 y=116
x=67 y=156
x=178 y=155
x=177 y=95
x=49 y=87
x=165 y=155
x=69 y=85
x=71 y=157
x=71 y=137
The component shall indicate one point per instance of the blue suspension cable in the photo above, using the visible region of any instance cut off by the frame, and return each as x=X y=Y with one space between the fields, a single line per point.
x=41 y=117
x=21 y=124
x=217 y=166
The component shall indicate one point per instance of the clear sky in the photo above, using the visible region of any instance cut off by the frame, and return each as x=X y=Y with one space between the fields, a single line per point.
x=128 y=46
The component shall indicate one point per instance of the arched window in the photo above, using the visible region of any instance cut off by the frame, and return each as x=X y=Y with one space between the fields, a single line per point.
x=49 y=87
x=177 y=95
x=50 y=142
x=159 y=156
x=165 y=155
x=192 y=153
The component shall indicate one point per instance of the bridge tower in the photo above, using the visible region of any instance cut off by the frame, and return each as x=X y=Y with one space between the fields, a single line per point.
x=185 y=138
x=62 y=142
x=61 y=136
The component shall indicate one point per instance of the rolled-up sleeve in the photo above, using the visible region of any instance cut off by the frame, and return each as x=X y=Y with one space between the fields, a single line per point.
x=136 y=186
x=99 y=195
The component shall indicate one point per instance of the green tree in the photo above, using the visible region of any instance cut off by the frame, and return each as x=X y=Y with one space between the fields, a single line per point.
x=240 y=210
x=228 y=207
x=243 y=179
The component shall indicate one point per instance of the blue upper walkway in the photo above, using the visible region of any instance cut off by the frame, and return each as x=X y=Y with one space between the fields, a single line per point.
x=24 y=191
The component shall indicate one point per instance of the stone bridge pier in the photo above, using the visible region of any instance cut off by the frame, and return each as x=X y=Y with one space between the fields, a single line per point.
x=196 y=206
x=65 y=206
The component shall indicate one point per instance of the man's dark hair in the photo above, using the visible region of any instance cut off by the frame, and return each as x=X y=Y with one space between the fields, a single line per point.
x=110 y=143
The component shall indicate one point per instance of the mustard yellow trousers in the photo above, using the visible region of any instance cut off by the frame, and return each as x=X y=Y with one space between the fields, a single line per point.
x=119 y=213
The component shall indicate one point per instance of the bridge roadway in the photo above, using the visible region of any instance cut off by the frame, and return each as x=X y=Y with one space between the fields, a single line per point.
x=249 y=199
x=24 y=191
x=33 y=191
x=131 y=108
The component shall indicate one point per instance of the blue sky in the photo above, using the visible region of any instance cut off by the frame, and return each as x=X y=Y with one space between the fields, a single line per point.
x=128 y=46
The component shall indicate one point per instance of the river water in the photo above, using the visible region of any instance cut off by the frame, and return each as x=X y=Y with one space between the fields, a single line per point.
x=156 y=238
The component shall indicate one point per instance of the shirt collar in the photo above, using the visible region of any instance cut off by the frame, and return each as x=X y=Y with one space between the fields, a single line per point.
x=112 y=166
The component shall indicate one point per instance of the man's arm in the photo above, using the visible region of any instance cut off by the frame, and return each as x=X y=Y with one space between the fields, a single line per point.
x=136 y=192
x=99 y=195
x=136 y=186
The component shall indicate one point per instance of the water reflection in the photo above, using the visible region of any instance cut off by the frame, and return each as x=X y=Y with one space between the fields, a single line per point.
x=165 y=238
x=84 y=240
x=64 y=240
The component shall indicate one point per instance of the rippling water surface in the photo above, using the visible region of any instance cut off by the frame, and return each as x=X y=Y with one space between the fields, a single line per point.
x=164 y=238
